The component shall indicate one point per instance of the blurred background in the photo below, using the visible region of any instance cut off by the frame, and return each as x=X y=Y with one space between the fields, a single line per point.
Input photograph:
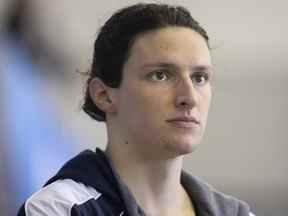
x=44 y=45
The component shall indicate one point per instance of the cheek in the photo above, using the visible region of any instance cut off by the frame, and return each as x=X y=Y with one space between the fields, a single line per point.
x=205 y=102
x=206 y=95
x=132 y=103
x=144 y=105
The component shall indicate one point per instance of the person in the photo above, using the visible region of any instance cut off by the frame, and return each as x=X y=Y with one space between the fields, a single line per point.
x=150 y=82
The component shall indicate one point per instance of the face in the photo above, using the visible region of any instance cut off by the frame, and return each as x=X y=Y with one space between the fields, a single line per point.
x=163 y=101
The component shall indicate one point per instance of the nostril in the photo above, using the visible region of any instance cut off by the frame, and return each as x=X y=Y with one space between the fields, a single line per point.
x=183 y=103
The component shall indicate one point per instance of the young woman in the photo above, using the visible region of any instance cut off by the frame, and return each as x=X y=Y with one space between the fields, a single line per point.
x=150 y=82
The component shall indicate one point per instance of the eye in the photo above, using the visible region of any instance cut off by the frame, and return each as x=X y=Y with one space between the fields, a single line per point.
x=159 y=75
x=200 y=78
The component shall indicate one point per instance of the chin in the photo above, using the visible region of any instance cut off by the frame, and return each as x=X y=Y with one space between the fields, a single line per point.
x=187 y=149
x=179 y=149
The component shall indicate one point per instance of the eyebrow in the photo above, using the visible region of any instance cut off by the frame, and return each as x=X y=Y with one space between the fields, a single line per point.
x=159 y=64
x=170 y=65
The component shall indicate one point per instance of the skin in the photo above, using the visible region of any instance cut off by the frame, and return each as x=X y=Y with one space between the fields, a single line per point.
x=166 y=77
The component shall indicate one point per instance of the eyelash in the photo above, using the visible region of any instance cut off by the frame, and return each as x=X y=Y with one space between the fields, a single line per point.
x=154 y=73
x=169 y=75
x=201 y=74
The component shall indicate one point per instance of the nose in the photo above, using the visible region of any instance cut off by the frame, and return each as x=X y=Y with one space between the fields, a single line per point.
x=186 y=95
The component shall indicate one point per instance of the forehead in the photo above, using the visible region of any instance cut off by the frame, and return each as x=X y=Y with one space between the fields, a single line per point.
x=173 y=44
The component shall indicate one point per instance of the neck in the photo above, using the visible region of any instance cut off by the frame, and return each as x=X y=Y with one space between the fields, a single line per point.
x=155 y=183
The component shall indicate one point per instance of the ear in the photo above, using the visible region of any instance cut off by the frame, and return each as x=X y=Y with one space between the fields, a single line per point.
x=101 y=95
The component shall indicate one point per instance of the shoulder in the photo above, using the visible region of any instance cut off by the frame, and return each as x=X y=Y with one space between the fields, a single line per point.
x=212 y=200
x=58 y=198
x=224 y=202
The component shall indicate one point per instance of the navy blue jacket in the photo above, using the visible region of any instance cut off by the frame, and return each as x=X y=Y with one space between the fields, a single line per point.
x=88 y=185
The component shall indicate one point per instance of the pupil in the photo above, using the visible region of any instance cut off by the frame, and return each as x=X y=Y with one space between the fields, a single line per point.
x=199 y=79
x=160 y=75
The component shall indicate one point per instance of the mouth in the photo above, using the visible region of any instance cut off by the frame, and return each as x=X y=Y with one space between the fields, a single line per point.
x=184 y=122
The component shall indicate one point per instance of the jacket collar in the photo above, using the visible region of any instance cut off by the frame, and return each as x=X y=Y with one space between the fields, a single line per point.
x=95 y=169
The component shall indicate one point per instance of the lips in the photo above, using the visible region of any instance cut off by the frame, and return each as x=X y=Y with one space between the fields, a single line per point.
x=184 y=122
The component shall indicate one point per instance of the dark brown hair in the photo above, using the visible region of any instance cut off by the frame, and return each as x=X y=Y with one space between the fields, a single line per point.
x=115 y=38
